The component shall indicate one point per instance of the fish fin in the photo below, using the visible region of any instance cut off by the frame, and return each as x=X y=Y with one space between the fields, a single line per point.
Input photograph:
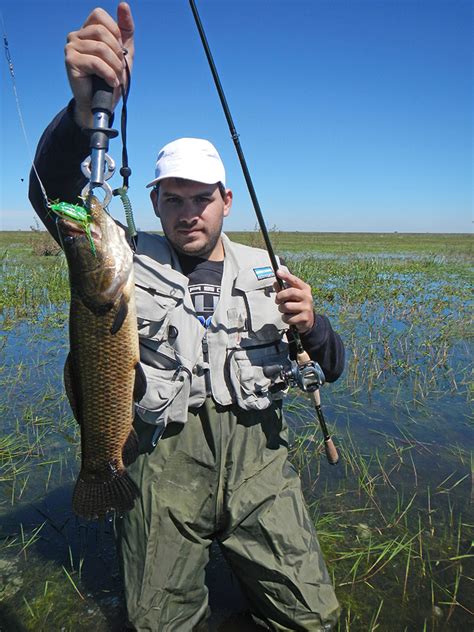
x=69 y=384
x=139 y=389
x=120 y=315
x=131 y=449
x=95 y=498
x=99 y=309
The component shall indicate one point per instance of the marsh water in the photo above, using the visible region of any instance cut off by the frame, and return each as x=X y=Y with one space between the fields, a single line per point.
x=394 y=517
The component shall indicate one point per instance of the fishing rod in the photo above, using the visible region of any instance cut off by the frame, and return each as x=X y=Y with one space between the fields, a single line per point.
x=308 y=375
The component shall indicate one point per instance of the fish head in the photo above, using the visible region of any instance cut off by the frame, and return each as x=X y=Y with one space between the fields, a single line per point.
x=98 y=256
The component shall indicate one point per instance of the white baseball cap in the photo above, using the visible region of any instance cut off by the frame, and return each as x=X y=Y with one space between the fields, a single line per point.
x=189 y=158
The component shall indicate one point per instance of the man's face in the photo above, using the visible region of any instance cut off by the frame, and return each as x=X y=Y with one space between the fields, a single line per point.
x=191 y=215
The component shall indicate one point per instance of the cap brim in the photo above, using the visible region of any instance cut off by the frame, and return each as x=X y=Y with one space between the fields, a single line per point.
x=182 y=177
x=152 y=183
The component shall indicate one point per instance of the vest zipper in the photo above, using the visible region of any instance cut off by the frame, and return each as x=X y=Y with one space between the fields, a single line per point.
x=205 y=356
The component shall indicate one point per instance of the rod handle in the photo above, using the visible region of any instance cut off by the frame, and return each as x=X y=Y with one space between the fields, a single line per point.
x=329 y=447
x=302 y=357
x=331 y=451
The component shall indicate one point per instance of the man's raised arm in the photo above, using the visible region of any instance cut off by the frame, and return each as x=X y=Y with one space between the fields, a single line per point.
x=97 y=48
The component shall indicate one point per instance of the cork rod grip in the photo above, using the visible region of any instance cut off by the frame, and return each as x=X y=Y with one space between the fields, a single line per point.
x=303 y=357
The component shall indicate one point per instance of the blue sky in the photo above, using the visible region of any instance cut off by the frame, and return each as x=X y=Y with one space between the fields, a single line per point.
x=353 y=115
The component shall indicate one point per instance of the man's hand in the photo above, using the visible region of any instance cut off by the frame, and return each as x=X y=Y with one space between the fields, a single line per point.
x=97 y=49
x=295 y=302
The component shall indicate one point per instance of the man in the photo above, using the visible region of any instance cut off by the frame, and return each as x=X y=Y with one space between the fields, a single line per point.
x=213 y=462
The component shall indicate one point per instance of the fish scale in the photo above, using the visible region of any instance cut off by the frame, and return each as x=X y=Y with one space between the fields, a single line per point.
x=110 y=358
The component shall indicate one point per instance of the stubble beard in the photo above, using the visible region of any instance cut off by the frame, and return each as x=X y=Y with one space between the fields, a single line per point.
x=195 y=249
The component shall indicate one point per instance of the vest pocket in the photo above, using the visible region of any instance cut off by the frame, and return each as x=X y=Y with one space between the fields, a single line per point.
x=252 y=388
x=167 y=395
x=153 y=313
x=263 y=318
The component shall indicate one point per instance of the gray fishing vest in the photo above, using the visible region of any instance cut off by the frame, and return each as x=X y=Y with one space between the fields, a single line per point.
x=183 y=361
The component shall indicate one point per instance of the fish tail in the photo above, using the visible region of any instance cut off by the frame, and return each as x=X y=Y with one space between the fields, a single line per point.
x=131 y=449
x=93 y=499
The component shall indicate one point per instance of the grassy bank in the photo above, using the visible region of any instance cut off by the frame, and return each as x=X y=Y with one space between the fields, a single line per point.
x=336 y=243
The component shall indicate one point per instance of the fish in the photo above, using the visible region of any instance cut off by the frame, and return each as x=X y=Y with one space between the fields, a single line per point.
x=102 y=375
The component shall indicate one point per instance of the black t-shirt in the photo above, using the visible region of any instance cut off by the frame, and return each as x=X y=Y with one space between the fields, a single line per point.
x=205 y=278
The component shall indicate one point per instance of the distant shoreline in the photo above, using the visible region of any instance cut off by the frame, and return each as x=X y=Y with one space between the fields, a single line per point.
x=336 y=243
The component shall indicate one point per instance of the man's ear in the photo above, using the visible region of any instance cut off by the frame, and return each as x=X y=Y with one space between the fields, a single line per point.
x=228 y=201
x=154 y=201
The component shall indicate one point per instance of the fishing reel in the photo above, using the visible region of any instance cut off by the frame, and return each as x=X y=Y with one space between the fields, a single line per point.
x=308 y=376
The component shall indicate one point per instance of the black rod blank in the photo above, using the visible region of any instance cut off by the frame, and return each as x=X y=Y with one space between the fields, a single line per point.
x=235 y=138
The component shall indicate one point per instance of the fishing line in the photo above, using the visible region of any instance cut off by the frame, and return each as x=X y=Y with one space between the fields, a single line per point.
x=18 y=108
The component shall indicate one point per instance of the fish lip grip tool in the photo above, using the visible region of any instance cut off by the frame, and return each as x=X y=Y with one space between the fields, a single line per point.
x=99 y=167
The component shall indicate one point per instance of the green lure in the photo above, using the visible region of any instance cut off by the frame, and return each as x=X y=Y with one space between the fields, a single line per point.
x=77 y=214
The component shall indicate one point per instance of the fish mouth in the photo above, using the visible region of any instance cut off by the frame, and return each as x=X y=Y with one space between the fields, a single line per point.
x=70 y=228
